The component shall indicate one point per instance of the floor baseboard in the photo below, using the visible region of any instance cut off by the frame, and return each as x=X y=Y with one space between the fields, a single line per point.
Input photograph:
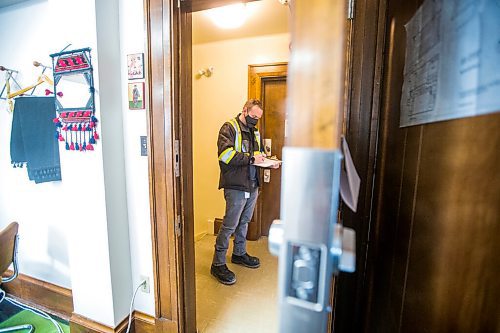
x=141 y=323
x=58 y=301
x=199 y=236
x=44 y=295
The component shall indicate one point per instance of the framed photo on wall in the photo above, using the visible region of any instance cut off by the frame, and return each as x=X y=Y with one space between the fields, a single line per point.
x=136 y=96
x=135 y=66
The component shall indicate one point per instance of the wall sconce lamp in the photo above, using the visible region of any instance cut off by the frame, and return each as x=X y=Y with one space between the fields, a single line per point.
x=205 y=72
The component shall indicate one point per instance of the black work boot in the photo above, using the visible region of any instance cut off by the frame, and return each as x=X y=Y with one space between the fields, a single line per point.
x=246 y=260
x=223 y=274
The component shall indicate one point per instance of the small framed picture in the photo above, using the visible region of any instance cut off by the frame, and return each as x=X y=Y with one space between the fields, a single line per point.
x=136 y=96
x=135 y=65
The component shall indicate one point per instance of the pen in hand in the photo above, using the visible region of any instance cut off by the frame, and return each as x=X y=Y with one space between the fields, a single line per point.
x=259 y=158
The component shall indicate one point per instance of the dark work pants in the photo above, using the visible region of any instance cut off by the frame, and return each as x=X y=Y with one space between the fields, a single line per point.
x=239 y=211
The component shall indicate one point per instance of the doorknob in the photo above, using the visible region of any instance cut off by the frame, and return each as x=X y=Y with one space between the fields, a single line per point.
x=311 y=243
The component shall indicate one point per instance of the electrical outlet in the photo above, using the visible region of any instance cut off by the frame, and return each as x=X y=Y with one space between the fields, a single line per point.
x=145 y=287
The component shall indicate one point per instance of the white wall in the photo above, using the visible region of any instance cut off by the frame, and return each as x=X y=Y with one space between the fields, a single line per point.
x=70 y=214
x=75 y=233
x=43 y=213
x=215 y=100
x=132 y=40
x=108 y=46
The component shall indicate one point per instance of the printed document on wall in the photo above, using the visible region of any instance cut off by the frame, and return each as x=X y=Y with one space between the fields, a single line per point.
x=452 y=67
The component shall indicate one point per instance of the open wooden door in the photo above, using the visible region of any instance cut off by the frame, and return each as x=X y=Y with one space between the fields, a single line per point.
x=311 y=166
x=436 y=212
x=430 y=231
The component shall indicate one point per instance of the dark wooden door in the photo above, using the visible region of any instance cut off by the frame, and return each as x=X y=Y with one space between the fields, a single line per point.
x=435 y=239
x=273 y=129
x=267 y=82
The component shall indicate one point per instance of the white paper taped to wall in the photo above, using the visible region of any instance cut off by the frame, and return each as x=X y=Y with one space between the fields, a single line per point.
x=452 y=66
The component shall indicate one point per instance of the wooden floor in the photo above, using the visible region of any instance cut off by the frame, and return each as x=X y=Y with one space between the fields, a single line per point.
x=248 y=306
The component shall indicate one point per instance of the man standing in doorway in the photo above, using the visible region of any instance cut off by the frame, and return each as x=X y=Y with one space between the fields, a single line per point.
x=239 y=148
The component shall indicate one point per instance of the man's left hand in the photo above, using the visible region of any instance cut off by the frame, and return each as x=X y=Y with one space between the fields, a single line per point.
x=276 y=166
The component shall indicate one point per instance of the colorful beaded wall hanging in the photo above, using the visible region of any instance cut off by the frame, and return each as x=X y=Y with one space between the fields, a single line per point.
x=76 y=123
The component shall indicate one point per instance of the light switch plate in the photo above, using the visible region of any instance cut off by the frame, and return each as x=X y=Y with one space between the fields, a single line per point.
x=144 y=145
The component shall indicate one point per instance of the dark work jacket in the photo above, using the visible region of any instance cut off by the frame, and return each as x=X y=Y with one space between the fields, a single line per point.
x=236 y=174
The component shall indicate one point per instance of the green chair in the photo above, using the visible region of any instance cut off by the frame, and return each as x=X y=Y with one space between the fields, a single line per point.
x=8 y=256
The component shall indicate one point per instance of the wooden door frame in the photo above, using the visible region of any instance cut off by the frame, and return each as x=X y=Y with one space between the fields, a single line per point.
x=170 y=199
x=256 y=75
x=169 y=120
x=168 y=79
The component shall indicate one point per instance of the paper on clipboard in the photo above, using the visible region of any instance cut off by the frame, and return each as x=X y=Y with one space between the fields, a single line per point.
x=349 y=179
x=268 y=163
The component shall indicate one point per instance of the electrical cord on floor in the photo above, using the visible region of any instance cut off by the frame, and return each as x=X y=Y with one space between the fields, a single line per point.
x=132 y=304
x=31 y=309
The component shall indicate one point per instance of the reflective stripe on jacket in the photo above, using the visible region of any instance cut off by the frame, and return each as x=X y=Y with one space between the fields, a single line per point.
x=227 y=155
x=234 y=160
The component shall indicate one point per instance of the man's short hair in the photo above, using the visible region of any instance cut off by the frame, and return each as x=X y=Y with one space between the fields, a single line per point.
x=252 y=102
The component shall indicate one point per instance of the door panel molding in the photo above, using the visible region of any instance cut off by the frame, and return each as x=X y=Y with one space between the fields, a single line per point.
x=257 y=73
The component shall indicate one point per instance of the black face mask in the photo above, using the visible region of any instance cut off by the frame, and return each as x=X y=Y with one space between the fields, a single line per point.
x=251 y=122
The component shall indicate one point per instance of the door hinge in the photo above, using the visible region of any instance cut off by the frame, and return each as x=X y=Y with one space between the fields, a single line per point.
x=177 y=227
x=177 y=171
x=350 y=9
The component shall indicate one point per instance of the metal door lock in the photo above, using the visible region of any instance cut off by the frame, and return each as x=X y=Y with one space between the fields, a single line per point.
x=311 y=244
x=343 y=253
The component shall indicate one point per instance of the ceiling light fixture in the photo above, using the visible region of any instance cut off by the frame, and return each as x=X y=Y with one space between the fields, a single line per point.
x=229 y=17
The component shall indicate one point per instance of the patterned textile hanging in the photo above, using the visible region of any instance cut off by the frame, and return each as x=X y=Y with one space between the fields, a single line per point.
x=76 y=123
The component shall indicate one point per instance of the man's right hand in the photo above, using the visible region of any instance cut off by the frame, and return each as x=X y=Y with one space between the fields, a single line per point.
x=259 y=158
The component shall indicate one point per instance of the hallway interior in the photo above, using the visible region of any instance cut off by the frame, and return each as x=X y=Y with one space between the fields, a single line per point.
x=248 y=306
